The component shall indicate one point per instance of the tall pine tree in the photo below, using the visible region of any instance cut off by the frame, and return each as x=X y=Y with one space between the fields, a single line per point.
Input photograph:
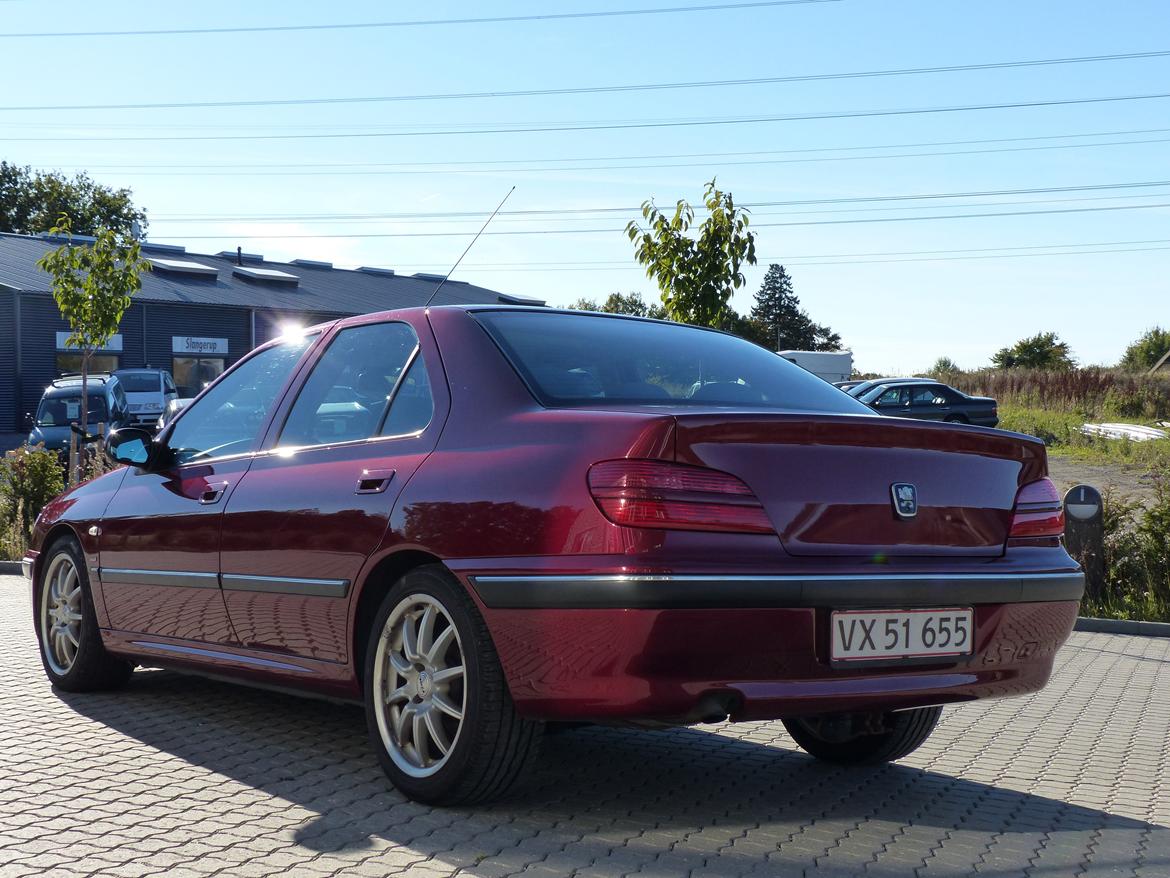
x=781 y=323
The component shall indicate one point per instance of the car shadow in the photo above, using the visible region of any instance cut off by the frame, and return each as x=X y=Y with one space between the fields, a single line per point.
x=647 y=794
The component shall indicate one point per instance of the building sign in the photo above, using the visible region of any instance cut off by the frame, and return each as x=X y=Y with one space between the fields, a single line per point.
x=186 y=344
x=114 y=344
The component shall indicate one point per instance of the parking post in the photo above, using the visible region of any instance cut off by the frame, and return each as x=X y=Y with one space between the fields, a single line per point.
x=1084 y=535
x=72 y=464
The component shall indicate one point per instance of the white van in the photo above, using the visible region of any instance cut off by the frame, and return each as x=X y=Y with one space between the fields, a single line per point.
x=148 y=392
x=829 y=365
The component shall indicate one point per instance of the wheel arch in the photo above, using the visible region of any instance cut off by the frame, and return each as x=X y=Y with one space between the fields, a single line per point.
x=52 y=535
x=374 y=586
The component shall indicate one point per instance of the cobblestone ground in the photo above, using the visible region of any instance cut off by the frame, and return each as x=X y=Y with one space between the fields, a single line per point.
x=178 y=776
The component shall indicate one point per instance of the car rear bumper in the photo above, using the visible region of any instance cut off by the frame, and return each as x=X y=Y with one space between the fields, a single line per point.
x=686 y=649
x=684 y=591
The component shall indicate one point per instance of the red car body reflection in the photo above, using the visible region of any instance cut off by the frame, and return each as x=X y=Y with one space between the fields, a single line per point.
x=592 y=620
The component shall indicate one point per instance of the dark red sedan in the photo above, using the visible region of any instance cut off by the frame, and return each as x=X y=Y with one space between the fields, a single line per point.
x=484 y=519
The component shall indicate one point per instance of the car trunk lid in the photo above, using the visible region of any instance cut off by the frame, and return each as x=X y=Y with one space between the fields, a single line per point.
x=828 y=482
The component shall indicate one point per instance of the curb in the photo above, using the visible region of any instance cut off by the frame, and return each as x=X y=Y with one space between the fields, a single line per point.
x=1122 y=626
x=10 y=568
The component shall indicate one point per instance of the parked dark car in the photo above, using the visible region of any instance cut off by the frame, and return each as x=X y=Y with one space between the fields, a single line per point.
x=516 y=516
x=60 y=406
x=926 y=400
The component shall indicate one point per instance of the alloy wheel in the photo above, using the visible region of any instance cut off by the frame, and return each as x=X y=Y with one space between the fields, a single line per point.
x=61 y=617
x=420 y=693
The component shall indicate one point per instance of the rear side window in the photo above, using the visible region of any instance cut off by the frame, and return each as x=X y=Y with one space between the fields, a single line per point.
x=579 y=359
x=369 y=379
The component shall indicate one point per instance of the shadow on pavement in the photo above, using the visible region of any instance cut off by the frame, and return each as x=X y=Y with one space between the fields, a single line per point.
x=668 y=801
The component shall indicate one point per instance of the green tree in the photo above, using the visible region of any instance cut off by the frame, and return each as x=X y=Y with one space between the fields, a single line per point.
x=696 y=275
x=31 y=201
x=1042 y=351
x=622 y=303
x=943 y=366
x=92 y=285
x=1145 y=353
x=784 y=325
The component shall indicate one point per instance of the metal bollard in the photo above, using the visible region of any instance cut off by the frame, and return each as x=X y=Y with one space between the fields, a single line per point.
x=1084 y=535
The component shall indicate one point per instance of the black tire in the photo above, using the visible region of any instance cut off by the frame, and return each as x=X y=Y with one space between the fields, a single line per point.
x=864 y=739
x=493 y=746
x=956 y=419
x=92 y=668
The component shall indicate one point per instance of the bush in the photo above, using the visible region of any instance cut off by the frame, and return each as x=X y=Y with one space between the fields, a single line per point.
x=1092 y=394
x=1137 y=558
x=29 y=478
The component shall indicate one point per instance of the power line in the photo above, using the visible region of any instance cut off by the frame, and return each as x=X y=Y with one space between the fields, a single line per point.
x=642 y=156
x=602 y=89
x=796 y=263
x=575 y=211
x=613 y=126
x=612 y=231
x=896 y=208
x=867 y=254
x=364 y=25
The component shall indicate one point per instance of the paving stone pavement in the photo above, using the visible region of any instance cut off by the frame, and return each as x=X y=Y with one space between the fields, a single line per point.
x=184 y=777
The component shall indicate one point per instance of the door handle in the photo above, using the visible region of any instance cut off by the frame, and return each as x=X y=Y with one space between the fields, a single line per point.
x=212 y=494
x=374 y=481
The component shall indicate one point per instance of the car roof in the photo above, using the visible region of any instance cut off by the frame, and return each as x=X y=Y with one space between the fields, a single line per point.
x=142 y=371
x=99 y=378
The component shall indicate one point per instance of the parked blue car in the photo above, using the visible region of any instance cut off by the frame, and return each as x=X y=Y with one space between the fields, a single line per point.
x=61 y=406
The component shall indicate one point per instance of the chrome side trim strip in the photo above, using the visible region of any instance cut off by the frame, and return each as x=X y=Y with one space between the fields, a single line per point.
x=176 y=578
x=684 y=591
x=216 y=654
x=323 y=588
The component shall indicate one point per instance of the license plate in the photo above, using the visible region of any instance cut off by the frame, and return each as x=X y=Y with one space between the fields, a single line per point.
x=861 y=635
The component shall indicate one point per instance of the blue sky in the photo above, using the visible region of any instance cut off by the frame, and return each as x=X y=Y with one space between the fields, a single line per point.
x=897 y=312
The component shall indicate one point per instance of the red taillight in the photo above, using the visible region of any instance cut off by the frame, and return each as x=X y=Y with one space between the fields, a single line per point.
x=651 y=493
x=1039 y=511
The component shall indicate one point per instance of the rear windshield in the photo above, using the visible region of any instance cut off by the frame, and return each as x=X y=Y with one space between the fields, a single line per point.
x=143 y=382
x=580 y=359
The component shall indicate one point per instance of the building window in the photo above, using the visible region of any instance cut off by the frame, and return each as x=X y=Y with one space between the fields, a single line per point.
x=192 y=374
x=70 y=364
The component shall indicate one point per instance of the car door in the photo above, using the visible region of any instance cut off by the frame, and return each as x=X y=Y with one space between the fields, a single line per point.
x=316 y=503
x=159 y=538
x=893 y=401
x=928 y=402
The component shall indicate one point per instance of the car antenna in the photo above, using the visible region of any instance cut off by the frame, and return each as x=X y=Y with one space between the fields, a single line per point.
x=469 y=246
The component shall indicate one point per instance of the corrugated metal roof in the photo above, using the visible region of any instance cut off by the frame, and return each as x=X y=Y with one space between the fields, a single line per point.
x=330 y=290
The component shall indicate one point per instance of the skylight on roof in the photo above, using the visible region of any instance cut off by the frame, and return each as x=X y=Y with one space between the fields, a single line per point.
x=265 y=274
x=181 y=266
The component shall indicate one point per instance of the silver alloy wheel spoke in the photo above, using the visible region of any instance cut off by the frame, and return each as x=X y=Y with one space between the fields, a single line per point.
x=426 y=632
x=441 y=702
x=436 y=733
x=409 y=639
x=448 y=674
x=439 y=647
x=420 y=678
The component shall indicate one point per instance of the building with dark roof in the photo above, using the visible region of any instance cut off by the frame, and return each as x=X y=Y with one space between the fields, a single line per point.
x=194 y=316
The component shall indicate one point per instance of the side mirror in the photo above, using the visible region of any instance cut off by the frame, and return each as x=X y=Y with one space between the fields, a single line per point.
x=132 y=446
x=28 y=421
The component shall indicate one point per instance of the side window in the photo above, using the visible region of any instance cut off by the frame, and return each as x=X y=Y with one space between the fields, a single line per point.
x=347 y=394
x=923 y=396
x=413 y=404
x=227 y=420
x=891 y=397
